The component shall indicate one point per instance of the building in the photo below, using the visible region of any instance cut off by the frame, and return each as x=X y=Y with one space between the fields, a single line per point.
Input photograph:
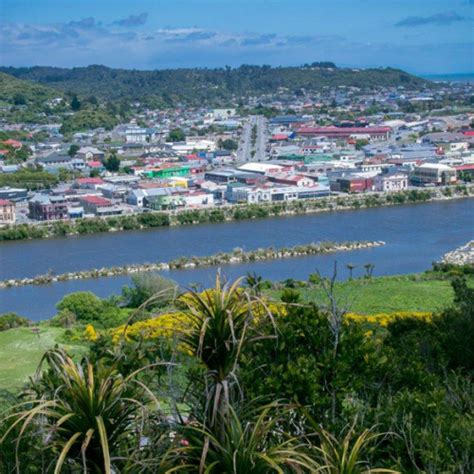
x=291 y=179
x=223 y=114
x=13 y=194
x=390 y=182
x=89 y=153
x=61 y=161
x=136 y=134
x=434 y=174
x=351 y=184
x=344 y=133
x=46 y=208
x=7 y=212
x=99 y=206
x=253 y=195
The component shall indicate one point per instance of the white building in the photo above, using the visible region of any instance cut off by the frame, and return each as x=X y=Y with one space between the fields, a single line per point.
x=433 y=174
x=222 y=114
x=390 y=182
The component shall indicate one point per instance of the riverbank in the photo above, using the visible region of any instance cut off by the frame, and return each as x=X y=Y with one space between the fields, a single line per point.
x=222 y=258
x=235 y=212
x=463 y=255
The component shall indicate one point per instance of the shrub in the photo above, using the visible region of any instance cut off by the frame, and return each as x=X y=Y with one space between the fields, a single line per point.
x=12 y=320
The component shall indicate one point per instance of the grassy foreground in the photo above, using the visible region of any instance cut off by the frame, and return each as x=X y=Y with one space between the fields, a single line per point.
x=21 y=351
x=390 y=294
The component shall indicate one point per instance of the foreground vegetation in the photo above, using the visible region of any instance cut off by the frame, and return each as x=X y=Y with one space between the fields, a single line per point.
x=235 y=379
x=226 y=213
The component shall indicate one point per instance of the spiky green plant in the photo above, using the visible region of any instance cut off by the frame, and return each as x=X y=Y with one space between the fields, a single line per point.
x=347 y=454
x=88 y=416
x=220 y=327
x=252 y=442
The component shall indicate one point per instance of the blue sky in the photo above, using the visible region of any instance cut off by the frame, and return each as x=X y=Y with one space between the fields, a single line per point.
x=420 y=36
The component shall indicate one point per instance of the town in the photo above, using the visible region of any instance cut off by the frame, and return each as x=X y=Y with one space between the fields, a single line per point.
x=276 y=147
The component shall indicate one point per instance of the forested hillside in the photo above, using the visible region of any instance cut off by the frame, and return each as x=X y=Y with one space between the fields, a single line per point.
x=211 y=85
x=15 y=91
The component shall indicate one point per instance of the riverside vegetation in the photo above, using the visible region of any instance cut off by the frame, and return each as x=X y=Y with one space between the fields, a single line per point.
x=236 y=256
x=227 y=213
x=250 y=376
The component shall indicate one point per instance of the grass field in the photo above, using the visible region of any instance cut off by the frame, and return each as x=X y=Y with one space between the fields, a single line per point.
x=21 y=351
x=388 y=294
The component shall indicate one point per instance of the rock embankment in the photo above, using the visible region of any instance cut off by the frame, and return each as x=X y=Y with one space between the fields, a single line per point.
x=461 y=256
x=236 y=256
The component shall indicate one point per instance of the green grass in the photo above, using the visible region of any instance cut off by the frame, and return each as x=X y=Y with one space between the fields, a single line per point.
x=389 y=294
x=21 y=350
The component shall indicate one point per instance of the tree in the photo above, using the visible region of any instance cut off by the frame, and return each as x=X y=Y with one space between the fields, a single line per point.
x=148 y=285
x=176 y=135
x=19 y=99
x=361 y=143
x=112 y=163
x=73 y=149
x=350 y=267
x=84 y=305
x=228 y=144
x=75 y=104
x=369 y=268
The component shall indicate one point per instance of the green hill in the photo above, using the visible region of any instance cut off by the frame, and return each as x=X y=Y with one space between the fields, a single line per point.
x=195 y=86
x=16 y=91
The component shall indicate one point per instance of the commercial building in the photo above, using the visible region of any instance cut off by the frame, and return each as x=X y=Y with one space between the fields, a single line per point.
x=7 y=212
x=433 y=174
x=390 y=182
x=46 y=208
x=371 y=133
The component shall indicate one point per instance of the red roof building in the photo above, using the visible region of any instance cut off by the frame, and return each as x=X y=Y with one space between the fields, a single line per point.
x=345 y=132
x=12 y=143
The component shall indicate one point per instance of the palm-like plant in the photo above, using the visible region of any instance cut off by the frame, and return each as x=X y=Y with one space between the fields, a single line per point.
x=87 y=415
x=252 y=442
x=346 y=455
x=220 y=327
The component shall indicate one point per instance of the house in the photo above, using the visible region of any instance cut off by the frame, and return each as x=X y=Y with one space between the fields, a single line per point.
x=12 y=143
x=433 y=174
x=61 y=161
x=390 y=182
x=46 y=208
x=7 y=212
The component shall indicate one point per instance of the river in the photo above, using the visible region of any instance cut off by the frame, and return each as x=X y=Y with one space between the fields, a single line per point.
x=415 y=236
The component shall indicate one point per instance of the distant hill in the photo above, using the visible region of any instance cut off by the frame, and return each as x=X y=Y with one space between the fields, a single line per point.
x=20 y=92
x=194 y=86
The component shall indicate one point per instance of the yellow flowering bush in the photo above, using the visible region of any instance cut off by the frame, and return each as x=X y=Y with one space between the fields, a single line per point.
x=163 y=325
x=384 y=319
x=90 y=333
x=169 y=324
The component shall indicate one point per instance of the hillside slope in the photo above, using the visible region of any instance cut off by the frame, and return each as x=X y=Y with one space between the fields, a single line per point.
x=22 y=92
x=211 y=85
